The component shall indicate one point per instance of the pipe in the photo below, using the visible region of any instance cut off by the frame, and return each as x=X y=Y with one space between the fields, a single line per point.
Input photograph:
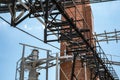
x=85 y=68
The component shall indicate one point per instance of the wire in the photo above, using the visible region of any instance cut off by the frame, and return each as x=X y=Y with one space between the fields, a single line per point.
x=5 y=20
x=30 y=34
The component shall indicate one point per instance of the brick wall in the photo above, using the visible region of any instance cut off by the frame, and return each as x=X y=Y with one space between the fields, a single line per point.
x=85 y=11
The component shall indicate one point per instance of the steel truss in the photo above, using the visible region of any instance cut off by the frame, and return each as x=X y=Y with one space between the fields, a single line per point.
x=48 y=12
x=5 y=4
x=33 y=7
x=69 y=34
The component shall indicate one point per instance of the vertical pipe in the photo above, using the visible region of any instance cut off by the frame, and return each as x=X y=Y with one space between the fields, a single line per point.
x=13 y=14
x=73 y=66
x=22 y=64
x=57 y=66
x=47 y=65
x=46 y=20
x=16 y=71
x=85 y=70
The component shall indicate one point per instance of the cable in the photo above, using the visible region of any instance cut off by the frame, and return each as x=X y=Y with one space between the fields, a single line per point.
x=29 y=34
x=36 y=38
x=5 y=20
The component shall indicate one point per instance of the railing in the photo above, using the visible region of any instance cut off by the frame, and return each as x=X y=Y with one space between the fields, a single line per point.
x=103 y=57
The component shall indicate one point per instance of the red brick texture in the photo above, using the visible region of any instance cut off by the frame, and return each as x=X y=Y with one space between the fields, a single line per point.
x=82 y=11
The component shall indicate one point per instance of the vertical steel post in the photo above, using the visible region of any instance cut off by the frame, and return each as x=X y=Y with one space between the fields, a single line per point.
x=22 y=64
x=46 y=20
x=47 y=63
x=73 y=66
x=13 y=14
x=16 y=72
x=57 y=66
x=85 y=68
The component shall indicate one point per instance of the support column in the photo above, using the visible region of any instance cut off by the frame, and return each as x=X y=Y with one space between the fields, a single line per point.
x=85 y=68
x=47 y=65
x=22 y=65
x=57 y=66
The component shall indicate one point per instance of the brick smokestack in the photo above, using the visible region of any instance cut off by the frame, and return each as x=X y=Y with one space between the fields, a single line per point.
x=82 y=15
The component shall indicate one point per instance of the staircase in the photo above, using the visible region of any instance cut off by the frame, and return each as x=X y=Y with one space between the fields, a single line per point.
x=78 y=44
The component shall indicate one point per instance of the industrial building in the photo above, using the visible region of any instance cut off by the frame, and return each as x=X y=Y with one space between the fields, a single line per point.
x=69 y=23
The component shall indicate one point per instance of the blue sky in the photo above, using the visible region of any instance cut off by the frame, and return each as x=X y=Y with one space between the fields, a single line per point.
x=10 y=50
x=106 y=17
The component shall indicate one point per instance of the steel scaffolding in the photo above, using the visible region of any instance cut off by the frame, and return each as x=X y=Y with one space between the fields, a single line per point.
x=48 y=12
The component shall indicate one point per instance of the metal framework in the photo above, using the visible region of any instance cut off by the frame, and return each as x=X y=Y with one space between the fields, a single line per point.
x=34 y=8
x=108 y=36
x=33 y=62
x=48 y=12
x=5 y=4
x=77 y=48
